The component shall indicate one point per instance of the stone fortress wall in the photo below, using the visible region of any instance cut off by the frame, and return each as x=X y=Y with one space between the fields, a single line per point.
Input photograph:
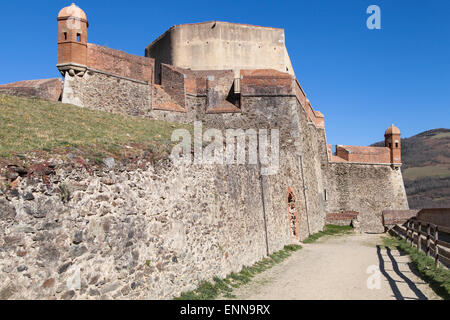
x=154 y=232
x=368 y=189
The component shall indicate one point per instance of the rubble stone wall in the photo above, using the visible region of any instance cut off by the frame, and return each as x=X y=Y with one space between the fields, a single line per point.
x=144 y=234
x=108 y=93
x=367 y=189
x=154 y=232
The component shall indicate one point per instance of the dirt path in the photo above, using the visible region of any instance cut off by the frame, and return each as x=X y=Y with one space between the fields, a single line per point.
x=338 y=268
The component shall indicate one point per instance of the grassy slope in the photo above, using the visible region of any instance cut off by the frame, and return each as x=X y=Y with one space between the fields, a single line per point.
x=33 y=124
x=415 y=173
x=330 y=230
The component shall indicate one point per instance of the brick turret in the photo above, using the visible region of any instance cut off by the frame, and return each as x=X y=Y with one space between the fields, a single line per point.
x=72 y=40
x=393 y=141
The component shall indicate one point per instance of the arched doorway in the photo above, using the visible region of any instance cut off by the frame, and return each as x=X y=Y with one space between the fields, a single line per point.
x=293 y=215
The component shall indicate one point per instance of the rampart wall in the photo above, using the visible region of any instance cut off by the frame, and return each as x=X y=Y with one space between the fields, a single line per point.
x=365 y=188
x=104 y=92
x=154 y=232
x=142 y=234
x=220 y=100
x=364 y=154
x=157 y=230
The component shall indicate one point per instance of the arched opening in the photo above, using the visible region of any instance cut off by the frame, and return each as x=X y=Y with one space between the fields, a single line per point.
x=293 y=215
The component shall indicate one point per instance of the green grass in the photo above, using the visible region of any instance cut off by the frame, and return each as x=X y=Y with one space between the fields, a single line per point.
x=330 y=230
x=224 y=287
x=414 y=173
x=438 y=278
x=34 y=124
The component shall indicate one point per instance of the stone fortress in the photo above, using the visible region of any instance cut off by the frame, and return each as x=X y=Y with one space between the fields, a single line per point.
x=156 y=232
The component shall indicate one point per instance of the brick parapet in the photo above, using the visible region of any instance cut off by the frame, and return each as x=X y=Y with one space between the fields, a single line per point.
x=120 y=63
x=357 y=154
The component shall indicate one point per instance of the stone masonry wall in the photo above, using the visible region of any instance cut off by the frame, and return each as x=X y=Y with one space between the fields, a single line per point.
x=155 y=232
x=173 y=83
x=367 y=189
x=107 y=93
x=314 y=183
x=145 y=234
x=308 y=142
x=297 y=137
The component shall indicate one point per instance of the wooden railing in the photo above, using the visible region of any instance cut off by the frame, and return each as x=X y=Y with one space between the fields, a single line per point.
x=428 y=241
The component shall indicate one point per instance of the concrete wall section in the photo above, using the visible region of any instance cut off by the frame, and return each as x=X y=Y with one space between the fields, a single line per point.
x=220 y=46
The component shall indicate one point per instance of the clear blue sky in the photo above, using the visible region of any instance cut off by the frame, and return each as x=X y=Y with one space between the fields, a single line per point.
x=362 y=80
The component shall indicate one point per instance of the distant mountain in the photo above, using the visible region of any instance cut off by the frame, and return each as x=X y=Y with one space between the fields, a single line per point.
x=426 y=168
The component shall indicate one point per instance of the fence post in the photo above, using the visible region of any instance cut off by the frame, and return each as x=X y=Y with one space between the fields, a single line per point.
x=406 y=236
x=407 y=231
x=419 y=237
x=412 y=233
x=436 y=248
x=428 y=239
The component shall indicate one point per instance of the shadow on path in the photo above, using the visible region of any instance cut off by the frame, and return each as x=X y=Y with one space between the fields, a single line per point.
x=408 y=281
x=393 y=283
x=398 y=295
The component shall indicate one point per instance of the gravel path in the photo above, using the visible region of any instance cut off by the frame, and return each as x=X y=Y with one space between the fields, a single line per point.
x=338 y=268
